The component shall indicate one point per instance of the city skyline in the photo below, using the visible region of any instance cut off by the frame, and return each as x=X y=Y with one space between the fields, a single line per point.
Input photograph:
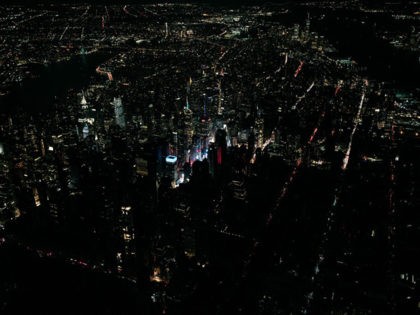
x=209 y=159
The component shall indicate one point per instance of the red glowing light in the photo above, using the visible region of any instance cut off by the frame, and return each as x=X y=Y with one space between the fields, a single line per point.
x=219 y=155
x=299 y=68
x=337 y=89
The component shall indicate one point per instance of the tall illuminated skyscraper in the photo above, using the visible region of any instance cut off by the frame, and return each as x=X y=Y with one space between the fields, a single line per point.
x=85 y=131
x=219 y=99
x=119 y=112
x=307 y=26
x=259 y=128
x=189 y=129
x=295 y=35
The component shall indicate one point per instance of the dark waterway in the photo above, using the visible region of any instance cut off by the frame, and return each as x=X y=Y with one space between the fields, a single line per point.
x=52 y=82
x=359 y=41
x=354 y=34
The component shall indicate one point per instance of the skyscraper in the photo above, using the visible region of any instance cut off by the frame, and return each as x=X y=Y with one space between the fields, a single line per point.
x=259 y=128
x=221 y=146
x=219 y=99
x=307 y=26
x=295 y=34
x=85 y=131
x=119 y=112
x=188 y=127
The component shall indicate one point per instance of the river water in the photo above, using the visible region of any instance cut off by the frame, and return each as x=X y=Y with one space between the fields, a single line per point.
x=355 y=34
x=52 y=82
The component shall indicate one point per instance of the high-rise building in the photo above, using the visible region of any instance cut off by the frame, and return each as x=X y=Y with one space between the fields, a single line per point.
x=259 y=127
x=87 y=117
x=126 y=258
x=188 y=122
x=119 y=112
x=217 y=155
x=221 y=146
x=150 y=119
x=174 y=143
x=295 y=34
x=171 y=168
x=220 y=98
x=85 y=131
x=308 y=26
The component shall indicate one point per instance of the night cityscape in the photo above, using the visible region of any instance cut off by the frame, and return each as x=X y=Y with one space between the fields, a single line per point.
x=214 y=158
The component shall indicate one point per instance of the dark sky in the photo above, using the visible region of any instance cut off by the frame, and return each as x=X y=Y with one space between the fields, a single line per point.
x=374 y=3
x=221 y=2
x=239 y=2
